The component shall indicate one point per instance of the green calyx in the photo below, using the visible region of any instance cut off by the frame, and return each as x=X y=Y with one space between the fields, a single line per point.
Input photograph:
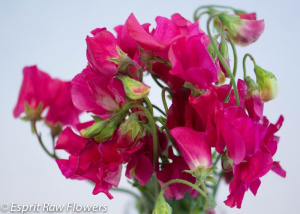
x=93 y=130
x=122 y=60
x=230 y=22
x=33 y=114
x=107 y=132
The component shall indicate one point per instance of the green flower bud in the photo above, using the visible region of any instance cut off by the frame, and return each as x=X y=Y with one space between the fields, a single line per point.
x=93 y=130
x=252 y=88
x=107 y=132
x=231 y=23
x=161 y=206
x=131 y=127
x=134 y=89
x=267 y=84
x=211 y=50
x=227 y=162
x=223 y=48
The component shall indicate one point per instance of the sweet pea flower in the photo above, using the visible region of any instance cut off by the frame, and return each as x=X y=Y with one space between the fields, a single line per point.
x=102 y=46
x=192 y=63
x=38 y=88
x=62 y=109
x=243 y=29
x=98 y=94
x=193 y=147
x=175 y=170
x=100 y=164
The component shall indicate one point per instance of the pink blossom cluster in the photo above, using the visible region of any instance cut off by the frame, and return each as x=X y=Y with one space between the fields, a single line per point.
x=199 y=121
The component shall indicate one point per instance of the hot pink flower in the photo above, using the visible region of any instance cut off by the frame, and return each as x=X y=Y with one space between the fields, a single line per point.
x=100 y=164
x=37 y=87
x=175 y=170
x=101 y=47
x=98 y=94
x=62 y=108
x=243 y=29
x=192 y=63
x=193 y=147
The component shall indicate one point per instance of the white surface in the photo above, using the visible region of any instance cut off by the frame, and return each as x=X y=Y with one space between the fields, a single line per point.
x=52 y=35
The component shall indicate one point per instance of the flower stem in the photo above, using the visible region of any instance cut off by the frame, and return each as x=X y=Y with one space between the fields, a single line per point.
x=163 y=96
x=149 y=105
x=209 y=7
x=33 y=124
x=236 y=95
x=217 y=185
x=158 y=109
x=244 y=63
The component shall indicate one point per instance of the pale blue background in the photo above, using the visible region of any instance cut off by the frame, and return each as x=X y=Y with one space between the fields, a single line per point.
x=52 y=35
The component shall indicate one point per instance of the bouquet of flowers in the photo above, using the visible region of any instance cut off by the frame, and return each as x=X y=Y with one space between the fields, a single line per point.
x=176 y=156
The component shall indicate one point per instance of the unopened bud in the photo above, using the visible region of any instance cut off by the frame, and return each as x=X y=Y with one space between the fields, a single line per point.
x=267 y=84
x=131 y=127
x=93 y=130
x=107 y=132
x=227 y=162
x=134 y=89
x=211 y=50
x=161 y=206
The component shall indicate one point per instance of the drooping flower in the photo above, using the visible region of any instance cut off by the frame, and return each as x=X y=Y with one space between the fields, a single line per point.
x=267 y=84
x=243 y=29
x=38 y=88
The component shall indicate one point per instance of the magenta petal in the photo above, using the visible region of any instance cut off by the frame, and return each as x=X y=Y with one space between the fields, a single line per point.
x=192 y=62
x=143 y=170
x=193 y=147
x=143 y=38
x=276 y=167
x=254 y=186
x=70 y=142
x=100 y=48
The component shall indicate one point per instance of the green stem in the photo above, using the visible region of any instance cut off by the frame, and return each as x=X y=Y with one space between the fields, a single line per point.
x=149 y=105
x=203 y=186
x=209 y=7
x=244 y=63
x=126 y=191
x=217 y=159
x=33 y=123
x=217 y=185
x=183 y=182
x=221 y=58
x=154 y=77
x=234 y=54
x=158 y=109
x=163 y=96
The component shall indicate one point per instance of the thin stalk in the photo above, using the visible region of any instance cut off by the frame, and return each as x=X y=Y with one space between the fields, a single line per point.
x=221 y=58
x=163 y=96
x=33 y=123
x=149 y=105
x=158 y=109
x=244 y=63
x=156 y=81
x=217 y=185
x=209 y=7
x=126 y=191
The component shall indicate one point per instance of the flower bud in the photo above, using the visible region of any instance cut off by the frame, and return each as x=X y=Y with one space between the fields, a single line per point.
x=267 y=84
x=93 y=130
x=131 y=127
x=107 y=132
x=161 y=206
x=227 y=162
x=134 y=89
x=211 y=50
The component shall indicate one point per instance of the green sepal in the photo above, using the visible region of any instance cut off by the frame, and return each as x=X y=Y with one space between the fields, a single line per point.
x=211 y=179
x=132 y=126
x=33 y=114
x=97 y=118
x=122 y=60
x=238 y=11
